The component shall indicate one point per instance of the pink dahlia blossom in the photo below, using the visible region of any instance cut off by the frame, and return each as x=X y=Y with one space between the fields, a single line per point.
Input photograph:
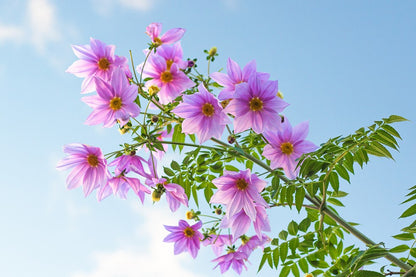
x=171 y=36
x=120 y=185
x=168 y=78
x=256 y=105
x=218 y=242
x=114 y=102
x=249 y=244
x=175 y=194
x=240 y=222
x=126 y=163
x=203 y=115
x=89 y=167
x=233 y=77
x=96 y=60
x=186 y=237
x=172 y=54
x=287 y=146
x=235 y=259
x=239 y=191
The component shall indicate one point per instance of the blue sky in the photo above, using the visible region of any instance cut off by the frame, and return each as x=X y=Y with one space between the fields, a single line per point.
x=341 y=65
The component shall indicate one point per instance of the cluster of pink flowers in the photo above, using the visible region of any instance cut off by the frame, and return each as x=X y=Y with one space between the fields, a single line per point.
x=249 y=101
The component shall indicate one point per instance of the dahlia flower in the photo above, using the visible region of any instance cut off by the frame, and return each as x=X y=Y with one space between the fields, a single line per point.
x=235 y=259
x=171 y=36
x=186 y=237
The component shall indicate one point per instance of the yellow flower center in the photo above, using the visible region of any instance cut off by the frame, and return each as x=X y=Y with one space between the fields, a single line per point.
x=169 y=64
x=208 y=109
x=158 y=41
x=103 y=64
x=241 y=184
x=92 y=160
x=189 y=214
x=189 y=232
x=308 y=275
x=256 y=104
x=166 y=76
x=115 y=103
x=287 y=148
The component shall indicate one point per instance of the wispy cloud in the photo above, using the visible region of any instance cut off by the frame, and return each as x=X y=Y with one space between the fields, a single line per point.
x=104 y=7
x=152 y=257
x=11 y=33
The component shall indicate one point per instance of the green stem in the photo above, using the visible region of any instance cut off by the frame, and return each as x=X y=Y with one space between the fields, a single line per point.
x=325 y=210
x=191 y=145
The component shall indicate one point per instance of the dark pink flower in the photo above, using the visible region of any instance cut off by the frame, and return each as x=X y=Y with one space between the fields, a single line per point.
x=114 y=102
x=218 y=242
x=203 y=115
x=256 y=105
x=235 y=259
x=186 y=237
x=96 y=60
x=167 y=77
x=287 y=146
x=89 y=167
x=171 y=36
x=239 y=191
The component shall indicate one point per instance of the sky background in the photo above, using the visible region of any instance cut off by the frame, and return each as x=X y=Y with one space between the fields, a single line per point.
x=341 y=65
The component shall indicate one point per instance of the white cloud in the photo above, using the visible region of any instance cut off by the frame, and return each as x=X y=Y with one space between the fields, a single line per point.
x=150 y=258
x=11 y=33
x=42 y=24
x=104 y=7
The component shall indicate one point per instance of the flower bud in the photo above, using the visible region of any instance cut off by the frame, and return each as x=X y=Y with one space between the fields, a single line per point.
x=308 y=275
x=190 y=214
x=191 y=63
x=280 y=94
x=156 y=194
x=212 y=51
x=155 y=119
x=224 y=103
x=218 y=211
x=231 y=139
x=153 y=90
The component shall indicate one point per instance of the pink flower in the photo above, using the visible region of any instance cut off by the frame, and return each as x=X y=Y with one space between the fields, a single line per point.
x=186 y=237
x=172 y=54
x=203 y=115
x=175 y=194
x=256 y=105
x=287 y=146
x=252 y=243
x=96 y=60
x=114 y=102
x=126 y=163
x=235 y=259
x=89 y=167
x=218 y=242
x=171 y=36
x=168 y=78
x=120 y=185
x=239 y=191
x=233 y=77
x=240 y=222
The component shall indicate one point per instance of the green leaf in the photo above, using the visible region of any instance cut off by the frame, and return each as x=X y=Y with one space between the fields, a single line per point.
x=231 y=168
x=174 y=165
x=391 y=131
x=394 y=118
x=208 y=193
x=410 y=211
x=283 y=235
x=285 y=271
x=263 y=260
x=283 y=251
x=195 y=195
x=379 y=150
x=399 y=248
x=295 y=270
x=289 y=195
x=168 y=171
x=303 y=264
x=275 y=256
x=342 y=172
x=335 y=202
x=366 y=273
x=293 y=228
x=304 y=224
x=178 y=136
x=404 y=236
x=299 y=197
x=349 y=162
x=334 y=181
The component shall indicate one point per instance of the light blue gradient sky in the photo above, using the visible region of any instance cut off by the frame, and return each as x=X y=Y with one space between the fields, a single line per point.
x=341 y=65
